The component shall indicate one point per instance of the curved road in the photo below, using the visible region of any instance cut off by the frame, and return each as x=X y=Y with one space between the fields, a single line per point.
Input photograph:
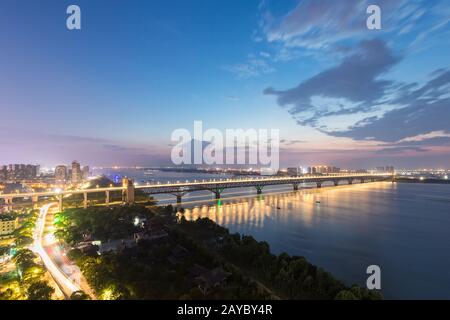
x=66 y=275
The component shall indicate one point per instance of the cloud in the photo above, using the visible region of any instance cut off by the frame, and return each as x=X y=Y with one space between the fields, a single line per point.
x=353 y=100
x=424 y=110
x=397 y=150
x=120 y=148
x=291 y=142
x=354 y=85
x=232 y=97
x=316 y=28
x=320 y=24
x=253 y=67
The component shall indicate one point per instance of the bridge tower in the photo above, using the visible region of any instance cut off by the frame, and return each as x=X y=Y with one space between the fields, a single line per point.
x=128 y=192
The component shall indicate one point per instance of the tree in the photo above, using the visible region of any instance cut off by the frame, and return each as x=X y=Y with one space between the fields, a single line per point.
x=24 y=241
x=345 y=295
x=39 y=290
x=115 y=292
x=24 y=258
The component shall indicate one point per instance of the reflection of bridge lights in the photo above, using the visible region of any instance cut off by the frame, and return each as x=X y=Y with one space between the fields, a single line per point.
x=422 y=178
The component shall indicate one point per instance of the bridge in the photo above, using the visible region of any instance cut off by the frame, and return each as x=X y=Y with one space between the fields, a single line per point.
x=216 y=186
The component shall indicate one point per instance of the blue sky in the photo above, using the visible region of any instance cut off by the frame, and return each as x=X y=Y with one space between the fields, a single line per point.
x=113 y=92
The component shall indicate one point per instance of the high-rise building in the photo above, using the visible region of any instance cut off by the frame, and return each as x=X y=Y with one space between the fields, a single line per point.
x=76 y=173
x=3 y=173
x=31 y=171
x=61 y=174
x=85 y=172
x=18 y=172
x=293 y=172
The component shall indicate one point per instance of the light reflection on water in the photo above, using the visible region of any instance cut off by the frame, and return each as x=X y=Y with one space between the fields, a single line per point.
x=404 y=228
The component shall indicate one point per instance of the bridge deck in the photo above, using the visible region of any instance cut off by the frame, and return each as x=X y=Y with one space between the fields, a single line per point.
x=211 y=185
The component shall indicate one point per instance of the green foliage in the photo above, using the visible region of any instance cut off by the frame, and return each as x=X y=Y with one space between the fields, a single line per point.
x=24 y=259
x=345 y=295
x=101 y=223
x=39 y=290
x=75 y=255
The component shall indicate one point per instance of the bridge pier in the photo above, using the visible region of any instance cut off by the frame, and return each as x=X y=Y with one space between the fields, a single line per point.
x=295 y=185
x=259 y=189
x=319 y=184
x=336 y=183
x=179 y=199
x=362 y=180
x=217 y=192
x=350 y=181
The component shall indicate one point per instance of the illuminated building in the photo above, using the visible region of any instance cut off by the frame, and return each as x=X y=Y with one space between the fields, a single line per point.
x=61 y=174
x=14 y=172
x=76 y=173
x=8 y=224
x=319 y=169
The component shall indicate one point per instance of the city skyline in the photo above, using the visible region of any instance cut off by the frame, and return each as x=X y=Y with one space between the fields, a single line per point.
x=112 y=93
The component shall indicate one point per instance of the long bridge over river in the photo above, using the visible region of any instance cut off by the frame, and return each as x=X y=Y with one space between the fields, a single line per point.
x=216 y=186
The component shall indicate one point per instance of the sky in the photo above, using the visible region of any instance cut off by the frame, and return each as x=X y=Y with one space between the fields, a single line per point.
x=113 y=92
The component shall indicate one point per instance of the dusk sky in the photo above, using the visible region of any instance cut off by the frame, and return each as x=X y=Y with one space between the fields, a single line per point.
x=113 y=92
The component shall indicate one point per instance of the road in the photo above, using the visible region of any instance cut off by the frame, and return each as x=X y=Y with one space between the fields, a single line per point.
x=64 y=272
